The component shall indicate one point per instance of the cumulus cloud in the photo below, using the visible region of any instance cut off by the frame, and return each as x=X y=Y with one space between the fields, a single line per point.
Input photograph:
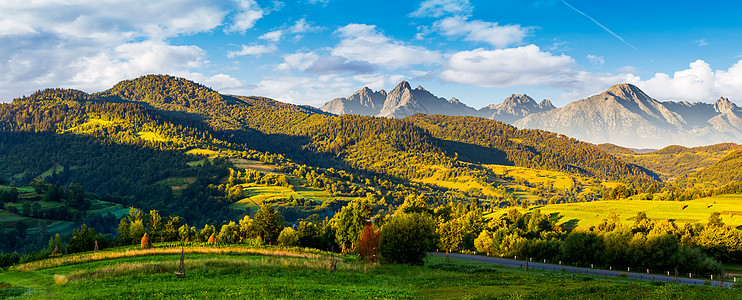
x=438 y=8
x=256 y=50
x=248 y=14
x=480 y=31
x=131 y=60
x=521 y=66
x=697 y=83
x=90 y=44
x=361 y=42
x=299 y=61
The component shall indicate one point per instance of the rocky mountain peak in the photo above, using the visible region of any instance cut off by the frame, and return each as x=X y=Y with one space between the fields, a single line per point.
x=420 y=88
x=723 y=104
x=402 y=86
x=546 y=105
x=627 y=91
x=454 y=100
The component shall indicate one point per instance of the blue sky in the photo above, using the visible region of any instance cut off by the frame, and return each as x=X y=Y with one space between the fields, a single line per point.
x=311 y=51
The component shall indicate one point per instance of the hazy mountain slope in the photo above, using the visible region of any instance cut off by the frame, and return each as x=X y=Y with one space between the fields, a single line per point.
x=625 y=115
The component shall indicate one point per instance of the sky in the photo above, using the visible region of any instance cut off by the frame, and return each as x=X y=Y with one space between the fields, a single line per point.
x=312 y=51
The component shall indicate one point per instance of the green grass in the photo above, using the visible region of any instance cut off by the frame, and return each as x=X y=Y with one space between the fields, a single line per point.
x=592 y=213
x=231 y=275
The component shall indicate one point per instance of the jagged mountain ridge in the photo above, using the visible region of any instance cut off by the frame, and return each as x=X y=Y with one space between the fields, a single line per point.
x=622 y=115
x=404 y=101
x=625 y=115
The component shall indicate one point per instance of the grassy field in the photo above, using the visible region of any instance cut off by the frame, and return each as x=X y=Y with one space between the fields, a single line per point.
x=257 y=194
x=276 y=274
x=587 y=214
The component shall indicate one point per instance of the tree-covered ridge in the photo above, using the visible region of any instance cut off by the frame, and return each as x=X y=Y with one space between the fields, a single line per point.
x=530 y=148
x=277 y=105
x=675 y=161
x=720 y=173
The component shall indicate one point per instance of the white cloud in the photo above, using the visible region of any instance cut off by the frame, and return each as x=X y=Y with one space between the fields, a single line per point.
x=300 y=61
x=697 y=83
x=379 y=81
x=702 y=42
x=246 y=17
x=438 y=8
x=314 y=90
x=273 y=36
x=90 y=44
x=300 y=27
x=520 y=66
x=363 y=42
x=594 y=59
x=256 y=50
x=480 y=31
x=131 y=60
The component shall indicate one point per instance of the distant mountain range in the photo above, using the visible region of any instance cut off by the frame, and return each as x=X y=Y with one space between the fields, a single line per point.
x=622 y=115
x=403 y=101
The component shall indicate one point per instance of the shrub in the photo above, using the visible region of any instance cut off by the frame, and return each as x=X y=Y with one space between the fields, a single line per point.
x=407 y=237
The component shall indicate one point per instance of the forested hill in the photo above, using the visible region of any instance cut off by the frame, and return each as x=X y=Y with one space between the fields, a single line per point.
x=529 y=148
x=723 y=171
x=675 y=161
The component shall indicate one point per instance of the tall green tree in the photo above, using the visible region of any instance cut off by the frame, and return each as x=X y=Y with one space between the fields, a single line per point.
x=268 y=224
x=350 y=222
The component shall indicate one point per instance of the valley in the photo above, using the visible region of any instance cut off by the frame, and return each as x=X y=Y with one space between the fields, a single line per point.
x=168 y=163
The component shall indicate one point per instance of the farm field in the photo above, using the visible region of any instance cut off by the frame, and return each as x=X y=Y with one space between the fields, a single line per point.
x=586 y=214
x=257 y=194
x=236 y=272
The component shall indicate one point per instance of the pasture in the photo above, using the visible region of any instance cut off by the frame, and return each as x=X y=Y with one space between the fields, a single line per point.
x=586 y=214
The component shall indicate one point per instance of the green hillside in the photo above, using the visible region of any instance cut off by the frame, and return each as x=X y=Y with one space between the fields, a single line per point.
x=175 y=161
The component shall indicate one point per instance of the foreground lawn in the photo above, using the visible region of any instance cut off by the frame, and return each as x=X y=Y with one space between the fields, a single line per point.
x=240 y=275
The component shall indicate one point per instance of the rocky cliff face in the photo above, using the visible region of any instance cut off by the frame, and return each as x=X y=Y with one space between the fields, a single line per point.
x=403 y=101
x=364 y=102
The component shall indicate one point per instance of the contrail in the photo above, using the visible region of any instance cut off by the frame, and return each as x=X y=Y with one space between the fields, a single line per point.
x=601 y=26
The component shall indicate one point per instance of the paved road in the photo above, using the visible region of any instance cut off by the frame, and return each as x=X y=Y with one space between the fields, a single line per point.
x=555 y=267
